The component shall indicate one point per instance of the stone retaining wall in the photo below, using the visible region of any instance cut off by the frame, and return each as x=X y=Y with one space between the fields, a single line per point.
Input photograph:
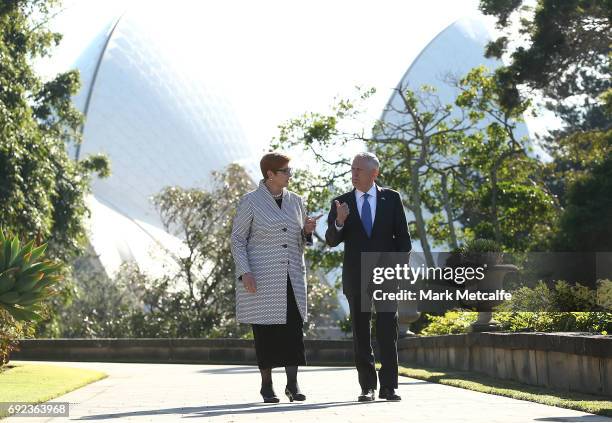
x=230 y=351
x=571 y=362
x=566 y=361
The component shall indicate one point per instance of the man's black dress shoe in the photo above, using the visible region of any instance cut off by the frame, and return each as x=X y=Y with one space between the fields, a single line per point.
x=366 y=395
x=388 y=394
x=267 y=393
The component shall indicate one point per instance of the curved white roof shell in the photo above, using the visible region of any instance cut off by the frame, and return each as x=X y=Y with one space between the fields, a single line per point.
x=452 y=53
x=159 y=125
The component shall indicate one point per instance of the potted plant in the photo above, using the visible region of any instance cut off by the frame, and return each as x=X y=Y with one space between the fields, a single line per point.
x=487 y=255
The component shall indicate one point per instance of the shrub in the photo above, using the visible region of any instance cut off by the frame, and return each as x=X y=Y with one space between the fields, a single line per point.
x=451 y=322
x=556 y=311
x=26 y=279
x=11 y=331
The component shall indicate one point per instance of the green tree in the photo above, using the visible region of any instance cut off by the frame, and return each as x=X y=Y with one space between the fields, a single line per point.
x=197 y=297
x=462 y=162
x=325 y=138
x=586 y=224
x=416 y=142
x=100 y=306
x=508 y=200
x=405 y=146
x=41 y=189
x=565 y=43
x=565 y=57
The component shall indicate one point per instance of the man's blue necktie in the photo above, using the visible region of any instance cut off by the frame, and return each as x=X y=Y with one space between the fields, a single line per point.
x=366 y=215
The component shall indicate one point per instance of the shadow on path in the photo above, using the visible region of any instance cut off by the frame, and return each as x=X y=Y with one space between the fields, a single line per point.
x=416 y=382
x=253 y=369
x=219 y=410
x=587 y=418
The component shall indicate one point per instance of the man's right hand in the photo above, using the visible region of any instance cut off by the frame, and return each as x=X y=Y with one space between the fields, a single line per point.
x=342 y=212
x=248 y=280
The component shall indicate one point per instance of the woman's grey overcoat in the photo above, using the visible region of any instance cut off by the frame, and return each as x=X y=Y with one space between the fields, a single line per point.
x=269 y=242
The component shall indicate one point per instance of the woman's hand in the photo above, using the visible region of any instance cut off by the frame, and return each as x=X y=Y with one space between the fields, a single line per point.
x=310 y=224
x=248 y=280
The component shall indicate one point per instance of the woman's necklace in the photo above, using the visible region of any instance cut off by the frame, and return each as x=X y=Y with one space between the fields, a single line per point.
x=275 y=196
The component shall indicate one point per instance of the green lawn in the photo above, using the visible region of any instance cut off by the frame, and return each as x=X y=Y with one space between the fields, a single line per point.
x=41 y=382
x=481 y=383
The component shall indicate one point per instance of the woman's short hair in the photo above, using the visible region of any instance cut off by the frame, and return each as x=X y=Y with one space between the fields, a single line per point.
x=273 y=161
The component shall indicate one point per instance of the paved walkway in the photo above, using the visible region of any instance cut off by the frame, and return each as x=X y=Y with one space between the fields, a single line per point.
x=229 y=393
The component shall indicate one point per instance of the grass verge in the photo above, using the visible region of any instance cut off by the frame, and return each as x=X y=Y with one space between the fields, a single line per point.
x=38 y=383
x=507 y=388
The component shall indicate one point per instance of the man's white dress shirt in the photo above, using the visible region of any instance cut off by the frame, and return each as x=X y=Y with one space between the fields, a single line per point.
x=359 y=198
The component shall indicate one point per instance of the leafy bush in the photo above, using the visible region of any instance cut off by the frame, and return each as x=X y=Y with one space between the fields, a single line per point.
x=11 y=331
x=322 y=301
x=475 y=253
x=525 y=321
x=592 y=322
x=604 y=294
x=452 y=322
x=346 y=325
x=135 y=305
x=481 y=251
x=557 y=305
x=98 y=306
x=562 y=297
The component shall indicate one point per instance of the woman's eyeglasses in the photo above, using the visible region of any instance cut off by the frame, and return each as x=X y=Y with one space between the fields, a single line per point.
x=287 y=171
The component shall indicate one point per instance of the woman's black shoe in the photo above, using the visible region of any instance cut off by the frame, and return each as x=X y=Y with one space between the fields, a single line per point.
x=267 y=392
x=294 y=394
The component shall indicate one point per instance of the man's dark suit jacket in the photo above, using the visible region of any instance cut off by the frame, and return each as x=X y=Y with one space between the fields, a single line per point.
x=389 y=234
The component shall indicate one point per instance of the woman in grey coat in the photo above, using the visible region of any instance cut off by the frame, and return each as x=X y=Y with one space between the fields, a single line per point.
x=269 y=233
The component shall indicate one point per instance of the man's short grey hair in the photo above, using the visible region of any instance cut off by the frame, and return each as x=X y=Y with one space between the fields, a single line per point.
x=370 y=158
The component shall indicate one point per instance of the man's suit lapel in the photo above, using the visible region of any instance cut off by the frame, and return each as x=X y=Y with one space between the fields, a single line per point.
x=381 y=202
x=352 y=202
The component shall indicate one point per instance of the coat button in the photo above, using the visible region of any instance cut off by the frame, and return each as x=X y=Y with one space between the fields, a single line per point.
x=284 y=245
x=284 y=229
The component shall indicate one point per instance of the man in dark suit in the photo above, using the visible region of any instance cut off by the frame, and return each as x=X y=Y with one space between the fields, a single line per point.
x=369 y=219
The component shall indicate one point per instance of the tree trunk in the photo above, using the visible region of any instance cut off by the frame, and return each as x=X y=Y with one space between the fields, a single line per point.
x=494 y=216
x=449 y=212
x=418 y=215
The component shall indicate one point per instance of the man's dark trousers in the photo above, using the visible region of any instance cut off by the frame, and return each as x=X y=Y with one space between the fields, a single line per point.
x=386 y=337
